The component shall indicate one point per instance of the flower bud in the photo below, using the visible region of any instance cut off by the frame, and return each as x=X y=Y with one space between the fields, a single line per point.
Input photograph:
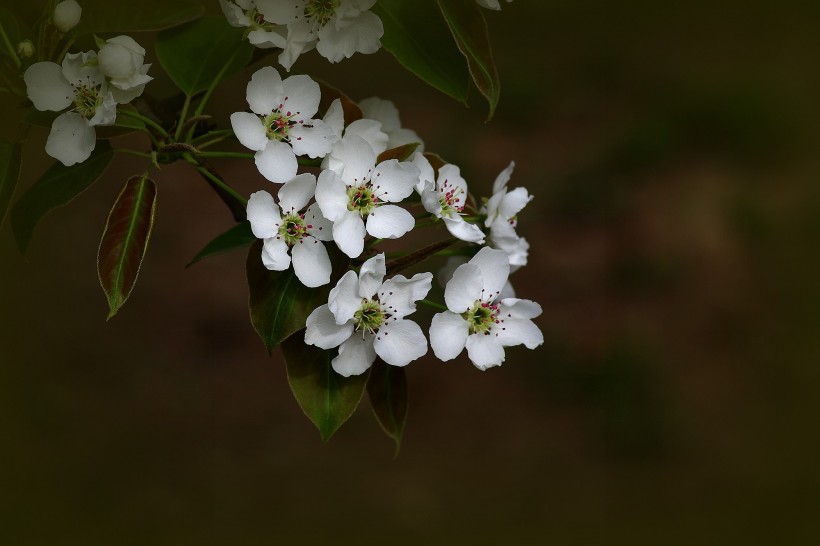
x=25 y=49
x=66 y=15
x=121 y=57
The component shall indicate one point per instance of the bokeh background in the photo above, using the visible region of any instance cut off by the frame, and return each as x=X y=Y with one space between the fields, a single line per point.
x=672 y=148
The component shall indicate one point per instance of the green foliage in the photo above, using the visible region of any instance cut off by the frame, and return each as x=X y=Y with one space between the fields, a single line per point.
x=200 y=54
x=103 y=16
x=125 y=240
x=57 y=187
x=327 y=398
x=10 y=156
x=421 y=42
x=387 y=390
x=239 y=236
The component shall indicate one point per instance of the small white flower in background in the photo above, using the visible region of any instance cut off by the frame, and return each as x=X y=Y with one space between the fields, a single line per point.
x=78 y=82
x=502 y=210
x=25 y=49
x=356 y=199
x=365 y=317
x=478 y=318
x=386 y=113
x=121 y=60
x=66 y=15
x=292 y=233
x=262 y=18
x=491 y=4
x=445 y=198
x=281 y=125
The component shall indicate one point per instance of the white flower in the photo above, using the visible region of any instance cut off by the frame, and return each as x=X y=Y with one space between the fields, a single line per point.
x=121 y=60
x=66 y=15
x=386 y=113
x=445 y=198
x=281 y=125
x=354 y=198
x=337 y=28
x=365 y=317
x=368 y=129
x=502 y=210
x=453 y=263
x=262 y=18
x=291 y=234
x=490 y=4
x=478 y=318
x=81 y=84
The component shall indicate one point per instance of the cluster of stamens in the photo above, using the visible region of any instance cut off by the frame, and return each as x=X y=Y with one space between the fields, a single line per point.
x=321 y=11
x=450 y=198
x=258 y=21
x=362 y=199
x=483 y=316
x=278 y=124
x=293 y=228
x=370 y=316
x=86 y=100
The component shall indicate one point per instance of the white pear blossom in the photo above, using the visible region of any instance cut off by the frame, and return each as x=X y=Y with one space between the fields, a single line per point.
x=386 y=113
x=449 y=268
x=264 y=20
x=478 y=318
x=281 y=125
x=121 y=60
x=365 y=317
x=491 y=4
x=79 y=84
x=292 y=231
x=66 y=15
x=445 y=198
x=357 y=198
x=502 y=210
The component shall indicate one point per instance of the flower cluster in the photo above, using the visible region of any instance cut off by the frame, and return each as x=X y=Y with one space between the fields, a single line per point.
x=335 y=28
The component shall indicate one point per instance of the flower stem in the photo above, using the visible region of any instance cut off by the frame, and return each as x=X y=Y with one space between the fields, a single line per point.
x=434 y=305
x=146 y=120
x=10 y=47
x=64 y=51
x=206 y=97
x=183 y=116
x=234 y=200
x=400 y=264
x=134 y=152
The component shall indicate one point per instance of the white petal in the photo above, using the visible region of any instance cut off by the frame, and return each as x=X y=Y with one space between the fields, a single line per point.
x=234 y=14
x=371 y=131
x=389 y=222
x=275 y=254
x=249 y=130
x=371 y=275
x=277 y=162
x=322 y=330
x=400 y=342
x=302 y=96
x=348 y=232
x=314 y=138
x=400 y=294
x=267 y=39
x=362 y=36
x=357 y=157
x=47 y=88
x=485 y=350
x=265 y=92
x=105 y=113
x=430 y=199
x=311 y=262
x=331 y=195
x=317 y=225
x=80 y=69
x=393 y=180
x=343 y=300
x=495 y=269
x=263 y=214
x=464 y=289
x=278 y=12
x=71 y=140
x=335 y=118
x=519 y=332
x=400 y=137
x=508 y=291
x=426 y=173
x=295 y=194
x=513 y=202
x=503 y=177
x=356 y=355
x=383 y=111
x=519 y=309
x=464 y=230
x=448 y=335
x=450 y=180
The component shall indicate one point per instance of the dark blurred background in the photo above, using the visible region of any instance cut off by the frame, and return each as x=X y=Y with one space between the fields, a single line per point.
x=672 y=151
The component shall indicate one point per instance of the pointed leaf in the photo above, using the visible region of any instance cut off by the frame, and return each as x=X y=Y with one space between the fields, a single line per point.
x=58 y=186
x=466 y=21
x=402 y=153
x=199 y=53
x=125 y=240
x=420 y=41
x=352 y=112
x=279 y=302
x=104 y=16
x=10 y=156
x=327 y=398
x=387 y=390
x=239 y=236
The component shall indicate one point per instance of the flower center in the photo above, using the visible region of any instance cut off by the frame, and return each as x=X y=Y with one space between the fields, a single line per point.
x=86 y=100
x=362 y=199
x=482 y=316
x=293 y=228
x=258 y=21
x=450 y=198
x=278 y=124
x=370 y=316
x=321 y=11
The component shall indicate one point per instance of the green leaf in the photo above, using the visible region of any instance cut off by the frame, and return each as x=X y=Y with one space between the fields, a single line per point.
x=466 y=21
x=279 y=302
x=104 y=16
x=387 y=390
x=421 y=42
x=239 y=236
x=195 y=55
x=57 y=187
x=125 y=240
x=402 y=153
x=327 y=398
x=10 y=25
x=10 y=157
